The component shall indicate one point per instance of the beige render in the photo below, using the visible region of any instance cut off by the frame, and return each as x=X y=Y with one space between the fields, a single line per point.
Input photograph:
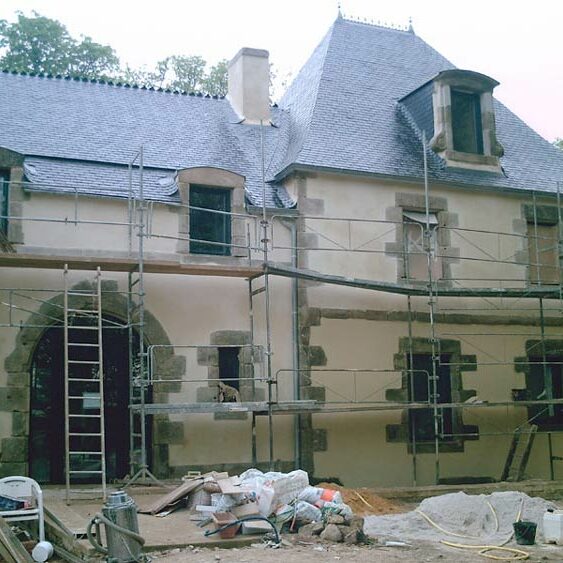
x=357 y=221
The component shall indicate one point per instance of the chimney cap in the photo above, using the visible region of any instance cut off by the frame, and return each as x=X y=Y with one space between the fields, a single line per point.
x=249 y=51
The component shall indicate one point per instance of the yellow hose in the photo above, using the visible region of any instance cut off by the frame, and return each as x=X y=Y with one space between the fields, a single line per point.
x=517 y=554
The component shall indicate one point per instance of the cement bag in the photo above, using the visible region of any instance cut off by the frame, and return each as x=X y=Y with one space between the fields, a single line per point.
x=318 y=495
x=305 y=512
x=282 y=489
x=301 y=511
x=336 y=508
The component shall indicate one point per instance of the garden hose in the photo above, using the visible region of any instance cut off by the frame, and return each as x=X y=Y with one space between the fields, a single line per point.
x=516 y=554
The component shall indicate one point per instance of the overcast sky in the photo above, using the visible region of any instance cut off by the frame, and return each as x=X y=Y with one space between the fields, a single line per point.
x=516 y=42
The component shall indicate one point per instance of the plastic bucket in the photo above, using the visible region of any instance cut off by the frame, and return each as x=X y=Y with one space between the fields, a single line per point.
x=525 y=532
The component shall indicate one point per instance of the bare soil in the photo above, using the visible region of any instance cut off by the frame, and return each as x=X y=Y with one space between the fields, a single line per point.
x=422 y=552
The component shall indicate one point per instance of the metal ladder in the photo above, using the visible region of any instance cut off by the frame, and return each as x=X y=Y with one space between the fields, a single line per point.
x=85 y=456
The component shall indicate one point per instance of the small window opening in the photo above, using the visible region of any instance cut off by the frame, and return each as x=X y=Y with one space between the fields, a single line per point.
x=466 y=122
x=210 y=232
x=420 y=389
x=543 y=252
x=4 y=197
x=416 y=262
x=546 y=385
x=229 y=366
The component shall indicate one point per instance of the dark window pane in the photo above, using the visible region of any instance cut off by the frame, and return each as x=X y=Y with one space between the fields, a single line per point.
x=209 y=226
x=545 y=385
x=420 y=390
x=466 y=122
x=4 y=177
x=229 y=366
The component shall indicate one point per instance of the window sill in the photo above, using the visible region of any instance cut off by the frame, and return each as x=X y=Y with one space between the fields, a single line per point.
x=470 y=161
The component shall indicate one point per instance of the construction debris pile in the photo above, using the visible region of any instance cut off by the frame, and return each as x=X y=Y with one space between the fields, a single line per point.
x=471 y=518
x=261 y=503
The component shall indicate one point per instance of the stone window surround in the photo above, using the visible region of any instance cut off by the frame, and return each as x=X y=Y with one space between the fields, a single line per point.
x=209 y=356
x=405 y=201
x=12 y=161
x=15 y=397
x=400 y=433
x=213 y=178
x=534 y=348
x=543 y=215
x=442 y=142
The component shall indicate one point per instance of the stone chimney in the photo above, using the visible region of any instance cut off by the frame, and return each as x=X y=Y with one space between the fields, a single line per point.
x=249 y=85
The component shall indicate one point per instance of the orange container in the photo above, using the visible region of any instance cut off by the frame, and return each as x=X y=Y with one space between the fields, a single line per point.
x=223 y=518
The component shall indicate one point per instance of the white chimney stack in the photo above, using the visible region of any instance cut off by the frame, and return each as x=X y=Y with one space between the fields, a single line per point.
x=249 y=85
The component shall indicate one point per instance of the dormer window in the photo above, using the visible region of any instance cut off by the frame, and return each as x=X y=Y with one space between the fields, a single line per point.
x=464 y=120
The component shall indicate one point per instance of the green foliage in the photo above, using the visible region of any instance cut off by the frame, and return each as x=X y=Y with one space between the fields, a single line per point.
x=558 y=143
x=41 y=45
x=37 y=44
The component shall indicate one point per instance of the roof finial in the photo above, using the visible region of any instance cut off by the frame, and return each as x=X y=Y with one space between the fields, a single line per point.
x=339 y=5
x=410 y=28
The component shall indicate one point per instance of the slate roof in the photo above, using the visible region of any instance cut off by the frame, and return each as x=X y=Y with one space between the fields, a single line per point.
x=349 y=109
x=346 y=114
x=81 y=133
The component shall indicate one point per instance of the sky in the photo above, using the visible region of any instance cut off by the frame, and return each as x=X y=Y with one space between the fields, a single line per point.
x=517 y=42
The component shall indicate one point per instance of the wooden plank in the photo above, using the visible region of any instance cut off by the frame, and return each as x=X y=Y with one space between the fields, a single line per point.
x=173 y=496
x=61 y=536
x=127 y=264
x=12 y=549
x=519 y=453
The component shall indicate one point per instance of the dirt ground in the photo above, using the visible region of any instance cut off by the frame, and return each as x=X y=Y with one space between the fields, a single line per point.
x=334 y=552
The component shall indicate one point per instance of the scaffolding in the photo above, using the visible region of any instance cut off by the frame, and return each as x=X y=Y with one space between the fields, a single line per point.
x=507 y=294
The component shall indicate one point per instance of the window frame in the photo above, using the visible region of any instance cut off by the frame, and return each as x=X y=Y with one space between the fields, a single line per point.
x=539 y=272
x=416 y=416
x=4 y=201
x=418 y=220
x=202 y=246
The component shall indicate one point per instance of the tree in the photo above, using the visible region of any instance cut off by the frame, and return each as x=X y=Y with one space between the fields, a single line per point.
x=558 y=143
x=41 y=45
x=216 y=82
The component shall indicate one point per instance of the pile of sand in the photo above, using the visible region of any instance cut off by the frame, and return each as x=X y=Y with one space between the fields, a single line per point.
x=469 y=515
x=363 y=501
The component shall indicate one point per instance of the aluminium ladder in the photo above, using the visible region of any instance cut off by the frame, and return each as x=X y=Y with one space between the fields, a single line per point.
x=85 y=456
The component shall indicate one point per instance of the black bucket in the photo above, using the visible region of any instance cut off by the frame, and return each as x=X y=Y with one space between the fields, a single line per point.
x=525 y=532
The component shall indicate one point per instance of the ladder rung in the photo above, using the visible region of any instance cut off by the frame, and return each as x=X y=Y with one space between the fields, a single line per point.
x=84 y=344
x=82 y=293
x=89 y=362
x=85 y=416
x=84 y=433
x=85 y=472
x=84 y=453
x=88 y=398
x=75 y=327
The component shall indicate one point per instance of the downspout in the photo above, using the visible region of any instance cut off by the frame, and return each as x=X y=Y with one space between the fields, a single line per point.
x=291 y=225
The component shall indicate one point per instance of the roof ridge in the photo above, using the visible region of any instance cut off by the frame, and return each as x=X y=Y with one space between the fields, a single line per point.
x=105 y=82
x=378 y=23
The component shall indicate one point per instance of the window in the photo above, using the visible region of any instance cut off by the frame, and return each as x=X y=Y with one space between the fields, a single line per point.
x=210 y=231
x=545 y=385
x=4 y=195
x=466 y=122
x=229 y=366
x=416 y=259
x=421 y=421
x=543 y=252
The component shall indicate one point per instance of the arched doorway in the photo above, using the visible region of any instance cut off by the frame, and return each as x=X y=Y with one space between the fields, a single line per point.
x=46 y=432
